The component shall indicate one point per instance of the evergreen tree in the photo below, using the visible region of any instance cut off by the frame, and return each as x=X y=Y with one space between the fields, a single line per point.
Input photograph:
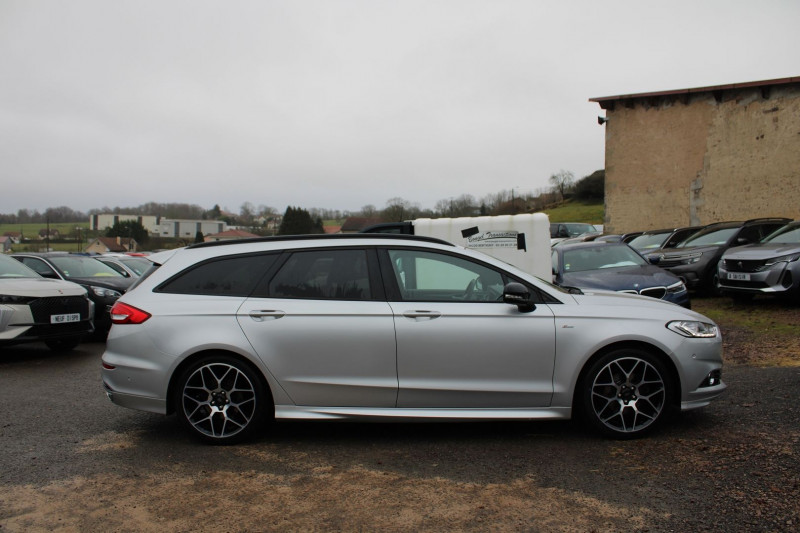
x=297 y=221
x=131 y=229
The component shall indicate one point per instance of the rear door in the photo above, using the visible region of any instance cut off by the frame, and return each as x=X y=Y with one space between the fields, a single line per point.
x=324 y=330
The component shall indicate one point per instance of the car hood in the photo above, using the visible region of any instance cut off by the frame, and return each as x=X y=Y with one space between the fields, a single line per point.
x=107 y=282
x=598 y=302
x=679 y=252
x=39 y=287
x=620 y=279
x=761 y=251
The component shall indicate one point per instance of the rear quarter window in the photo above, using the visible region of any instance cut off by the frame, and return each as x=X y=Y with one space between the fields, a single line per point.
x=226 y=276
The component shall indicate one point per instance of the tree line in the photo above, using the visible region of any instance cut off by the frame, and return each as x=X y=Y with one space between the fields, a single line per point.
x=510 y=201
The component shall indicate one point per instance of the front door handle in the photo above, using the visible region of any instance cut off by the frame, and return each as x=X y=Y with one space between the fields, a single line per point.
x=420 y=315
x=266 y=314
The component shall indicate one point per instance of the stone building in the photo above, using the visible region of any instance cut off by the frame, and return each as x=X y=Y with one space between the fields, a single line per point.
x=704 y=155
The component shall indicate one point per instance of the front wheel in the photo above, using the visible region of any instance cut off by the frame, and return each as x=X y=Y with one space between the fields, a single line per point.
x=221 y=399
x=626 y=393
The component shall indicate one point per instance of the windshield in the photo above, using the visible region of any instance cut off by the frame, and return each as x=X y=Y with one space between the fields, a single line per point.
x=11 y=268
x=139 y=265
x=74 y=266
x=599 y=257
x=789 y=234
x=648 y=242
x=711 y=238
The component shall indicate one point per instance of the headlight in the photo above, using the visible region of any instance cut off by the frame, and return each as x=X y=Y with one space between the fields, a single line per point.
x=676 y=288
x=691 y=258
x=105 y=293
x=6 y=299
x=783 y=259
x=691 y=328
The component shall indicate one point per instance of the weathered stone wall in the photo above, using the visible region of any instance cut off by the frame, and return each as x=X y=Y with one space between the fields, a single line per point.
x=679 y=161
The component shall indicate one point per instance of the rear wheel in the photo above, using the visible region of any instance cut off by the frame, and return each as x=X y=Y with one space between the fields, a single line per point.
x=221 y=399
x=626 y=393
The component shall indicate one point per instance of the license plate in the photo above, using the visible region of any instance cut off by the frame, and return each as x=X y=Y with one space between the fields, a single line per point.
x=738 y=277
x=60 y=319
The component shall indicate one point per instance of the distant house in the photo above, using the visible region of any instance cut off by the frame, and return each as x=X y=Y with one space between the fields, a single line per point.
x=332 y=229
x=104 y=245
x=53 y=234
x=15 y=236
x=356 y=224
x=231 y=234
x=5 y=244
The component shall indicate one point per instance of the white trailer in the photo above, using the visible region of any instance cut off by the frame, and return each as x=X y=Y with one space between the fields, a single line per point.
x=520 y=240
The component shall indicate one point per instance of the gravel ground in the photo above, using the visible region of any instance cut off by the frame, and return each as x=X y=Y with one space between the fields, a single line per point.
x=74 y=462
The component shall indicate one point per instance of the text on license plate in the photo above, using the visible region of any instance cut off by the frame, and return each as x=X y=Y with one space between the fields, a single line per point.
x=60 y=319
x=739 y=277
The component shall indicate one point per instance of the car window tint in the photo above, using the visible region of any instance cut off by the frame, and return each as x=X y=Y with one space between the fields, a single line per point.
x=323 y=275
x=229 y=276
x=789 y=234
x=428 y=276
x=39 y=266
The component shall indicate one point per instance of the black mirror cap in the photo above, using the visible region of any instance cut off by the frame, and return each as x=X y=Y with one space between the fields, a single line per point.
x=518 y=294
x=654 y=259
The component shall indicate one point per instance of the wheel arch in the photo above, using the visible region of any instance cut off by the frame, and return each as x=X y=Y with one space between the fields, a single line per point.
x=674 y=376
x=188 y=361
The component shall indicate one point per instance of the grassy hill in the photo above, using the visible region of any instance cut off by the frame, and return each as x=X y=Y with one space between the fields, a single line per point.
x=577 y=212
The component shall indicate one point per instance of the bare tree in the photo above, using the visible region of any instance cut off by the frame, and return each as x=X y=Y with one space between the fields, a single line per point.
x=562 y=182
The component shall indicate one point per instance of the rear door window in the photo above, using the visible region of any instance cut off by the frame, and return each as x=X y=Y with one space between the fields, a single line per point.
x=323 y=275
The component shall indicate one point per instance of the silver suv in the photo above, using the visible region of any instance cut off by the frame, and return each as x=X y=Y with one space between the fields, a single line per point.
x=230 y=335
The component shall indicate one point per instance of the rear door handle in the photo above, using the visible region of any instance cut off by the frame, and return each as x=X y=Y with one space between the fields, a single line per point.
x=266 y=314
x=420 y=315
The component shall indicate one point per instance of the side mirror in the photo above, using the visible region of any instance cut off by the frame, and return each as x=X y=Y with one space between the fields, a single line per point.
x=519 y=295
x=654 y=259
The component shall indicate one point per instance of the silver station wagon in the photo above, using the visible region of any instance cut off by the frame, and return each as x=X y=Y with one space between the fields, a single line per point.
x=373 y=327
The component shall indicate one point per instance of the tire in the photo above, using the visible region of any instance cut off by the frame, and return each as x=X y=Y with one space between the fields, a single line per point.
x=62 y=345
x=626 y=393
x=221 y=400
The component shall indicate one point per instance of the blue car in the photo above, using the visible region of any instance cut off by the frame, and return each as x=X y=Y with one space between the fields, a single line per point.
x=615 y=267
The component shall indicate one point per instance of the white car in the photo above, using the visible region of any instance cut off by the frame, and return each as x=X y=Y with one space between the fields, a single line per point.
x=367 y=326
x=33 y=308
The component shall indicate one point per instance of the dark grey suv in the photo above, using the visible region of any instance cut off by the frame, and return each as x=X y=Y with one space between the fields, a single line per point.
x=770 y=267
x=695 y=259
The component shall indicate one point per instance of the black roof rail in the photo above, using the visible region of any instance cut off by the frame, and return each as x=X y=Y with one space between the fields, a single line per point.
x=765 y=219
x=322 y=236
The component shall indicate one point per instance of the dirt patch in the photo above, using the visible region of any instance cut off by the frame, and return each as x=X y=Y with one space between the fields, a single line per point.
x=325 y=499
x=762 y=332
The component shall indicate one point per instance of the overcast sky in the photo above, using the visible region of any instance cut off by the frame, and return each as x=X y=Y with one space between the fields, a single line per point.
x=339 y=104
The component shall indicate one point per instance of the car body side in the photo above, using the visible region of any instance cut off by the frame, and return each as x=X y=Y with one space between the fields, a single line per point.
x=583 y=327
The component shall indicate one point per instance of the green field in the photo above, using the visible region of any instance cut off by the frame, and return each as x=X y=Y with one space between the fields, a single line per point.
x=66 y=230
x=577 y=212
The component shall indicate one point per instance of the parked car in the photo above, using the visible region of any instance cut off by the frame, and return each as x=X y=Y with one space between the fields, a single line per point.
x=769 y=267
x=33 y=308
x=649 y=241
x=615 y=267
x=394 y=327
x=103 y=283
x=564 y=230
x=128 y=265
x=695 y=259
x=599 y=237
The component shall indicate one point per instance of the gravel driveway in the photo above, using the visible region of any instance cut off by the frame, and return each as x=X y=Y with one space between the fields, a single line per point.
x=72 y=461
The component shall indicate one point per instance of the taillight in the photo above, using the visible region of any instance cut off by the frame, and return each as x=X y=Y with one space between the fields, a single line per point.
x=127 y=314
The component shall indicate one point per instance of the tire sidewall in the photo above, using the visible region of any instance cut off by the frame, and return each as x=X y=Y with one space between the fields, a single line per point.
x=263 y=398
x=587 y=408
